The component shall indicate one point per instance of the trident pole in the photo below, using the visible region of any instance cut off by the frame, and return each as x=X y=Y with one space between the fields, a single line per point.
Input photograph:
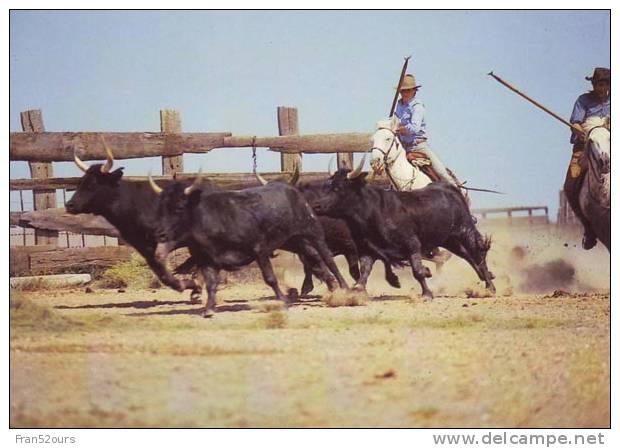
x=535 y=103
x=400 y=81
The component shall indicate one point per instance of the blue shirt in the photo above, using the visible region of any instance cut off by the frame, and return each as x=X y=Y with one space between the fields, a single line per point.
x=587 y=106
x=412 y=115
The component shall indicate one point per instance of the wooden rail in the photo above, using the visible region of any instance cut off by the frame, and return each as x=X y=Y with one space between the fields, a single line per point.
x=41 y=148
x=530 y=219
x=60 y=146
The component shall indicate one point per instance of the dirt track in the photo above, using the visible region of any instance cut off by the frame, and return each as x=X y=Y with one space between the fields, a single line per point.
x=147 y=358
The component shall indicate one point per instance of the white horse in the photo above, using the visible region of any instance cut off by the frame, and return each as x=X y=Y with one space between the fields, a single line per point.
x=595 y=193
x=388 y=154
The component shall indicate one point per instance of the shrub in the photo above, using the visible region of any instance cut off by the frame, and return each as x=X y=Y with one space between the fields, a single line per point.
x=134 y=272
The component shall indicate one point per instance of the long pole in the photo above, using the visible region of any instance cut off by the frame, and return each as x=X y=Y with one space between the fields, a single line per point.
x=400 y=81
x=535 y=103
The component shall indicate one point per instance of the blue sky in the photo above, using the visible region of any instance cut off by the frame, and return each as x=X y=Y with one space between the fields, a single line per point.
x=228 y=71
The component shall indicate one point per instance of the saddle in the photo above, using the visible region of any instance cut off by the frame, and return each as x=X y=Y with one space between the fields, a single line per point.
x=421 y=160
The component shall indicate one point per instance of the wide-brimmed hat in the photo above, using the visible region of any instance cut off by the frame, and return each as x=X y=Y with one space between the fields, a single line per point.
x=600 y=74
x=408 y=83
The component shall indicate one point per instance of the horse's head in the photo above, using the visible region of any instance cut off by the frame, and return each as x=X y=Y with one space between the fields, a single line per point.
x=599 y=143
x=384 y=144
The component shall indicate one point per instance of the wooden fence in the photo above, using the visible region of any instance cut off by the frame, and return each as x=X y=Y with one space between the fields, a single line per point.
x=40 y=148
x=514 y=215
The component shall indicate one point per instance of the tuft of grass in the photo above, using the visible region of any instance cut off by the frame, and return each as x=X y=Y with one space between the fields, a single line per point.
x=275 y=319
x=134 y=272
x=25 y=314
x=341 y=297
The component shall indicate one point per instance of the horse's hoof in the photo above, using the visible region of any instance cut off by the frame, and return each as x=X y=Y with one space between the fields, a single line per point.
x=208 y=313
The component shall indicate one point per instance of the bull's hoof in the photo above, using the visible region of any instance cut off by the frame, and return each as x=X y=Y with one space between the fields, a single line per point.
x=208 y=313
x=305 y=290
x=393 y=280
x=359 y=287
x=428 y=297
x=293 y=295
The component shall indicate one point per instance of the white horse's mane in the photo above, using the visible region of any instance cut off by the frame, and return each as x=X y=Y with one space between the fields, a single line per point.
x=389 y=123
x=594 y=121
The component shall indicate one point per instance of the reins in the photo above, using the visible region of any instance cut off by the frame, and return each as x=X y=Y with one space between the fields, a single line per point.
x=387 y=164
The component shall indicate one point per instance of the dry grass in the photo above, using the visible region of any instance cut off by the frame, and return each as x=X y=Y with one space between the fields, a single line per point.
x=275 y=319
x=35 y=284
x=148 y=359
x=133 y=273
x=342 y=297
x=25 y=315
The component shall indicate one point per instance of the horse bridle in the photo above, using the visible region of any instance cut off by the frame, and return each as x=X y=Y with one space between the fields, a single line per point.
x=386 y=162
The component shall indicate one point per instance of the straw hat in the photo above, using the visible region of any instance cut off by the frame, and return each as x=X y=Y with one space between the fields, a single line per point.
x=600 y=74
x=408 y=83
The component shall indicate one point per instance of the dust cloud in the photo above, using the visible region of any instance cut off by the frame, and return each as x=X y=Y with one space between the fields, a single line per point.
x=524 y=260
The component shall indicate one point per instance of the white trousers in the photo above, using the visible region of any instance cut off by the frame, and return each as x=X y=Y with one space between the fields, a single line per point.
x=438 y=165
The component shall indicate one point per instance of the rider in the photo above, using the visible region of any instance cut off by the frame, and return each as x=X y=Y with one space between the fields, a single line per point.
x=412 y=130
x=597 y=102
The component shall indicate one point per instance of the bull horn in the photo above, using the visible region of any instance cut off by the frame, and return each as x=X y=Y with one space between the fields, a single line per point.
x=295 y=176
x=81 y=165
x=109 y=158
x=194 y=186
x=329 y=167
x=156 y=188
x=260 y=178
x=357 y=171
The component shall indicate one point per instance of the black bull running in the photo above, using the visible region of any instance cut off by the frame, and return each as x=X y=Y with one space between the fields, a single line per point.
x=129 y=206
x=230 y=229
x=399 y=227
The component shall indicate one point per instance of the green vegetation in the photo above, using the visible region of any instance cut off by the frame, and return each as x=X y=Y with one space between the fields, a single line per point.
x=133 y=273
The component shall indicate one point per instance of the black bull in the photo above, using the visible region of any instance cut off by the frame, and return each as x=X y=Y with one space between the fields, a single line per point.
x=230 y=229
x=399 y=227
x=129 y=206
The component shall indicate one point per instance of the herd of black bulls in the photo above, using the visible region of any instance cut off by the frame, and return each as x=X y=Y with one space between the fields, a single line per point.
x=228 y=229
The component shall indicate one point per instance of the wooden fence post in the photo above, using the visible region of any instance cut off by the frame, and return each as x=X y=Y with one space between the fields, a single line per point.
x=288 y=124
x=171 y=124
x=32 y=121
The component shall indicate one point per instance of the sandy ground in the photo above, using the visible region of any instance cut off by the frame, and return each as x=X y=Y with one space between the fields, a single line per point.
x=535 y=355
